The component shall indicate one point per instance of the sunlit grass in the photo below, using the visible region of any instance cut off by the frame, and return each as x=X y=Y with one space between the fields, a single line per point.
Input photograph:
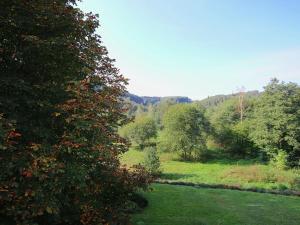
x=178 y=205
x=244 y=174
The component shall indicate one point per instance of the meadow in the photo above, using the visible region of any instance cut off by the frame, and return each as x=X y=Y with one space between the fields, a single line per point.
x=239 y=173
x=179 y=205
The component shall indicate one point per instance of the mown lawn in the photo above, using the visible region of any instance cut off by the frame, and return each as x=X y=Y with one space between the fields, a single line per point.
x=182 y=205
x=244 y=174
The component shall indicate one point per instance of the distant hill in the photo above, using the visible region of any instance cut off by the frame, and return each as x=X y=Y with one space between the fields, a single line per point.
x=146 y=100
x=207 y=102
x=217 y=99
x=158 y=105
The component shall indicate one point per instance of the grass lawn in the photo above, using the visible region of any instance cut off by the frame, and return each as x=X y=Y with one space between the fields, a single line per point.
x=243 y=173
x=181 y=205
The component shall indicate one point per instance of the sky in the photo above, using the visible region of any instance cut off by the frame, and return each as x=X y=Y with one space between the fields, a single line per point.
x=200 y=48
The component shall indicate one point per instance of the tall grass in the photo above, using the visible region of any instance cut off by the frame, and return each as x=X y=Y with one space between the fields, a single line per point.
x=241 y=173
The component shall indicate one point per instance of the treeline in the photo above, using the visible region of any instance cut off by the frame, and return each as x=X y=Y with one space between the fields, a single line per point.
x=212 y=101
x=60 y=109
x=145 y=104
x=263 y=125
x=146 y=100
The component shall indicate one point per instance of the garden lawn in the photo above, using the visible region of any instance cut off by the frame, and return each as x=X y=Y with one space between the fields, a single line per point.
x=244 y=174
x=182 y=205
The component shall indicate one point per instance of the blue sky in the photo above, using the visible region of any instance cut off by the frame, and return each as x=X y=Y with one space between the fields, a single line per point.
x=200 y=48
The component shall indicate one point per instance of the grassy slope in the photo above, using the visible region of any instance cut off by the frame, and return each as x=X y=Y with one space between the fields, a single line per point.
x=239 y=173
x=178 y=205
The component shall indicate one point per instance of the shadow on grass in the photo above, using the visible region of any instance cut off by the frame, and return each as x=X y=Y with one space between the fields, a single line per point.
x=227 y=160
x=175 y=176
x=232 y=161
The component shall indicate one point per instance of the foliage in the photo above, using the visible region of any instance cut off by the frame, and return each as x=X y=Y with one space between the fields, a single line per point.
x=152 y=163
x=296 y=183
x=140 y=132
x=153 y=107
x=61 y=99
x=158 y=110
x=213 y=101
x=184 y=130
x=279 y=160
x=229 y=132
x=276 y=120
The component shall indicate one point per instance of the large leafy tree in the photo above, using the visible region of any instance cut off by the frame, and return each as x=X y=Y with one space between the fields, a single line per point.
x=184 y=130
x=61 y=105
x=140 y=132
x=276 y=123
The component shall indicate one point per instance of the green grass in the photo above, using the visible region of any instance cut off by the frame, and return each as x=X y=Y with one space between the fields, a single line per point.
x=244 y=174
x=182 y=205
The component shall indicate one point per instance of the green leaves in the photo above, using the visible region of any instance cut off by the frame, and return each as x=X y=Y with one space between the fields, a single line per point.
x=141 y=131
x=152 y=163
x=276 y=120
x=184 y=130
x=60 y=159
x=229 y=132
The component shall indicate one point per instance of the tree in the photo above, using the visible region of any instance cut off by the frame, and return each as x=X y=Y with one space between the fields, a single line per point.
x=184 y=130
x=241 y=103
x=276 y=120
x=230 y=131
x=152 y=163
x=61 y=105
x=140 y=132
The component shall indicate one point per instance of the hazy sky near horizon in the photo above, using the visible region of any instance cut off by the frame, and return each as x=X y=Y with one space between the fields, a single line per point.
x=199 y=48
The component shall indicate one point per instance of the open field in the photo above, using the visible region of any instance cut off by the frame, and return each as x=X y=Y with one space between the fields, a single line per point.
x=181 y=205
x=178 y=205
x=244 y=174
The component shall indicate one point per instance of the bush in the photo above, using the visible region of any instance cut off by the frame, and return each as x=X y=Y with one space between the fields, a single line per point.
x=279 y=160
x=296 y=183
x=152 y=163
x=204 y=155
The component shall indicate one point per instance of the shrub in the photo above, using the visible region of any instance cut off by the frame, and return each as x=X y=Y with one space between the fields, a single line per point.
x=296 y=183
x=204 y=155
x=152 y=163
x=279 y=160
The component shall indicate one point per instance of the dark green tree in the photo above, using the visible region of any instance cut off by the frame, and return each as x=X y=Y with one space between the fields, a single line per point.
x=60 y=105
x=276 y=122
x=229 y=132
